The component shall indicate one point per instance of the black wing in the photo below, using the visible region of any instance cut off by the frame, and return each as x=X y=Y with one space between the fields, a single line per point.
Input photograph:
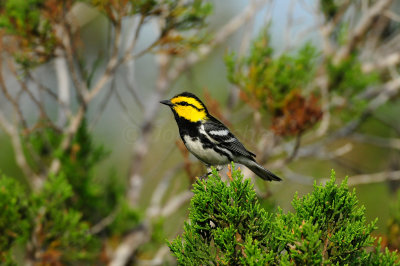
x=221 y=135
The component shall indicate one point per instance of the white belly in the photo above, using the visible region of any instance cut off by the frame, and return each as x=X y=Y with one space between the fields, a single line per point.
x=208 y=156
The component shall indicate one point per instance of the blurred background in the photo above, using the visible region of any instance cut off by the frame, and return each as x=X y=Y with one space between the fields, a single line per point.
x=308 y=86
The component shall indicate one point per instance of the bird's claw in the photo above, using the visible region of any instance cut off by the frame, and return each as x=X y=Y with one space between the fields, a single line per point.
x=205 y=176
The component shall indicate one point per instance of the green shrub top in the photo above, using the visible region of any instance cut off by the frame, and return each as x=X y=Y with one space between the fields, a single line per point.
x=229 y=227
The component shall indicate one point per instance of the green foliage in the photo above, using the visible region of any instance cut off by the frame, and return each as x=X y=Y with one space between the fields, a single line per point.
x=125 y=219
x=93 y=198
x=278 y=85
x=331 y=223
x=227 y=226
x=40 y=147
x=393 y=233
x=348 y=78
x=61 y=229
x=378 y=257
x=75 y=195
x=26 y=22
x=267 y=79
x=179 y=15
x=58 y=217
x=183 y=21
x=45 y=218
x=328 y=8
x=188 y=15
x=225 y=223
x=14 y=216
x=20 y=16
x=77 y=164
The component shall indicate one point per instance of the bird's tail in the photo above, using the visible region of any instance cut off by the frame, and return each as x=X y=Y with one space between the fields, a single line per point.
x=259 y=170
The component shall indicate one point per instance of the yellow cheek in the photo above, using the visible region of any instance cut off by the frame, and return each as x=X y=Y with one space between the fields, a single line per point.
x=190 y=113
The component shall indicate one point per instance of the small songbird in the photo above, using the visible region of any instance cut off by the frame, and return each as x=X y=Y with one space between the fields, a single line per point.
x=208 y=139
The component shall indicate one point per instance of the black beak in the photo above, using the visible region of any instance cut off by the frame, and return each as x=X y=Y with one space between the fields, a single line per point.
x=167 y=102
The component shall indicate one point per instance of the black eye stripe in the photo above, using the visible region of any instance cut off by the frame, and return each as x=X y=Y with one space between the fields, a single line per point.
x=188 y=104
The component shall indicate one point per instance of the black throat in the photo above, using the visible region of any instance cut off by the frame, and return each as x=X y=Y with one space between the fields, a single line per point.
x=186 y=127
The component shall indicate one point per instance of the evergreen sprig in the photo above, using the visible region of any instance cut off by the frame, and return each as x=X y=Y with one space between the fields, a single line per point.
x=229 y=227
x=14 y=221
x=54 y=230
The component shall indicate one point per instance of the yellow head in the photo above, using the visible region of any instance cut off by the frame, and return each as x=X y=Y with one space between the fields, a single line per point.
x=186 y=105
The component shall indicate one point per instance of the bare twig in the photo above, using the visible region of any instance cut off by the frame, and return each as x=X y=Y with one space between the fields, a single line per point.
x=390 y=60
x=141 y=145
x=65 y=34
x=392 y=15
x=100 y=226
x=244 y=44
x=129 y=80
x=45 y=89
x=295 y=149
x=63 y=89
x=382 y=120
x=70 y=131
x=12 y=101
x=362 y=27
x=154 y=208
x=37 y=103
x=114 y=61
x=130 y=243
x=125 y=108
x=296 y=177
x=176 y=202
x=103 y=104
x=327 y=28
x=392 y=143
x=223 y=33
x=370 y=178
x=157 y=260
x=13 y=133
x=289 y=24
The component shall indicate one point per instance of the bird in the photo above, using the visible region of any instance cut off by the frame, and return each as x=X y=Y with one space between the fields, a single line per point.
x=208 y=139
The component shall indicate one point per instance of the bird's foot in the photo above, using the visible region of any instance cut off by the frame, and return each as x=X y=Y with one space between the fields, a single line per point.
x=209 y=171
x=205 y=176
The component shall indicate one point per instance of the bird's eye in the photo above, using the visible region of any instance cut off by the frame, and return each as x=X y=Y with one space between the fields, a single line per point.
x=189 y=104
